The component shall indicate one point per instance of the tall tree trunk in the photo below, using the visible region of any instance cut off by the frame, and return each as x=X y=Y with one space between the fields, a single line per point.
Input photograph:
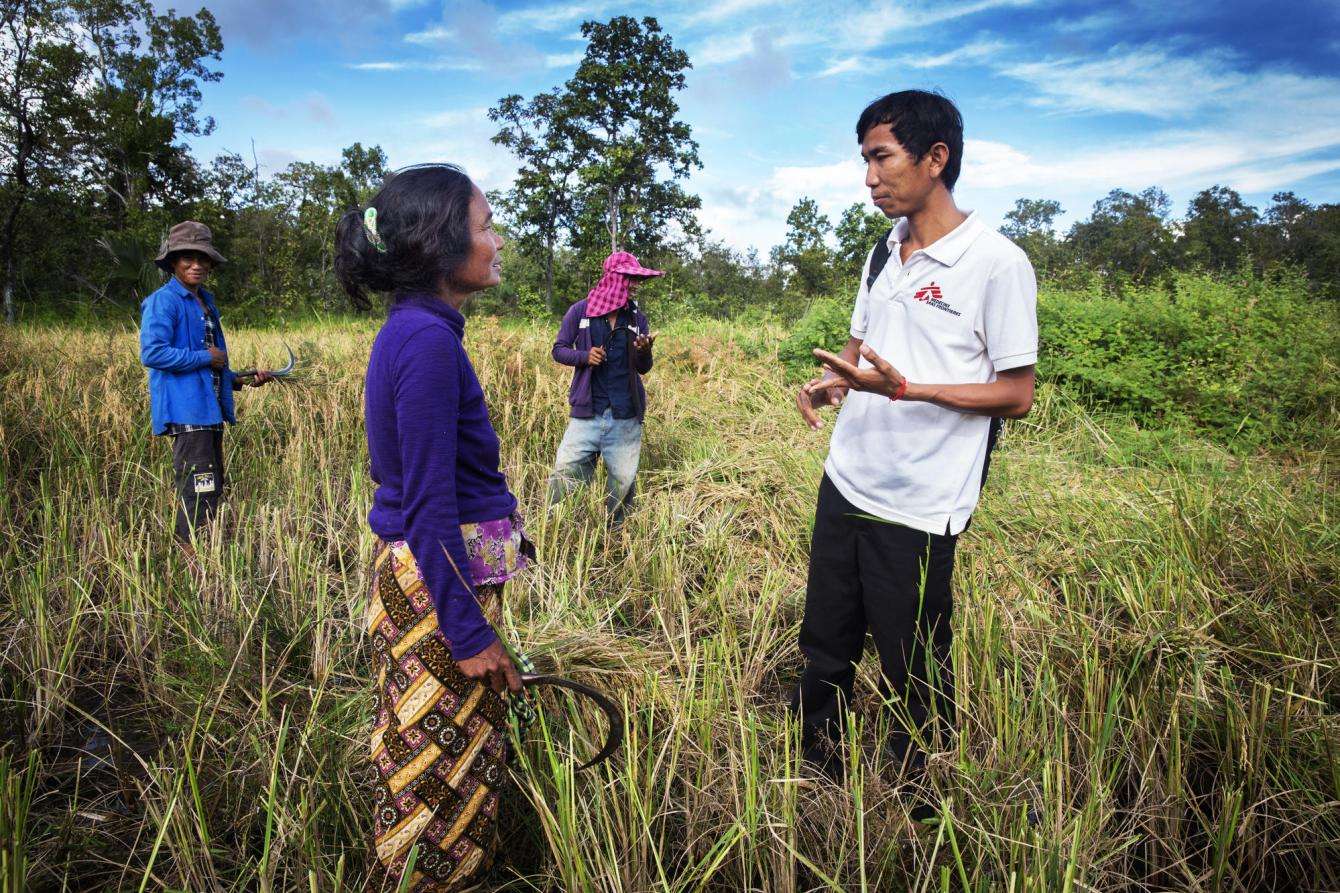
x=10 y=234
x=549 y=274
x=18 y=174
x=614 y=220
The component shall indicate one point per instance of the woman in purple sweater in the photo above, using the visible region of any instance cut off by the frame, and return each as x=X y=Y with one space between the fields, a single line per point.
x=448 y=532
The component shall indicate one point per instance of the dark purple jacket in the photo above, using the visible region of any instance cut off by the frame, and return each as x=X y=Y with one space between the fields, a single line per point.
x=570 y=348
x=434 y=457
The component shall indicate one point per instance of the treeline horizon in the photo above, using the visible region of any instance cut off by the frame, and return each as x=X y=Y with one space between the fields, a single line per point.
x=92 y=180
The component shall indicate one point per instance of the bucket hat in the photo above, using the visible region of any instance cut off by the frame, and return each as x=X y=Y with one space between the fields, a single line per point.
x=611 y=292
x=187 y=236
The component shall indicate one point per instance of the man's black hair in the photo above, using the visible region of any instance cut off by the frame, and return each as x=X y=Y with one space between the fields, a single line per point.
x=423 y=219
x=919 y=119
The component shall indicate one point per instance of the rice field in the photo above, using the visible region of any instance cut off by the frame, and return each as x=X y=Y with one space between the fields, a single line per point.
x=1146 y=643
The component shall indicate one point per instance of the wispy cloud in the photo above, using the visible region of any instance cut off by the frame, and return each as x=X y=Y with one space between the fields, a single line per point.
x=1148 y=80
x=563 y=60
x=430 y=36
x=443 y=64
x=726 y=9
x=976 y=51
x=884 y=20
x=553 y=17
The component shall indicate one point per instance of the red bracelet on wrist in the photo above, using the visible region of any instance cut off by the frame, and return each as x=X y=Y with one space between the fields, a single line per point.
x=902 y=389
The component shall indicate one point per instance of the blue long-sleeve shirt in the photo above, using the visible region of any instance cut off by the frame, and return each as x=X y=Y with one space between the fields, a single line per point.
x=172 y=348
x=434 y=456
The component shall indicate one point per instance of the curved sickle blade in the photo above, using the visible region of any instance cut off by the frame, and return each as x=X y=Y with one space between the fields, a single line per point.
x=277 y=373
x=611 y=711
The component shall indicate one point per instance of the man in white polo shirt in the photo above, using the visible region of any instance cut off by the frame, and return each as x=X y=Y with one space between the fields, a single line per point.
x=943 y=343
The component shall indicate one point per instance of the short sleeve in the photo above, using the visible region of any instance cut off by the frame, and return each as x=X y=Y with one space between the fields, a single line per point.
x=1010 y=314
x=860 y=314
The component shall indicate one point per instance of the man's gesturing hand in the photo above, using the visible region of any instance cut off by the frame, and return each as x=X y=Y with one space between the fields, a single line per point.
x=879 y=378
x=595 y=356
x=817 y=393
x=643 y=342
x=494 y=668
x=218 y=359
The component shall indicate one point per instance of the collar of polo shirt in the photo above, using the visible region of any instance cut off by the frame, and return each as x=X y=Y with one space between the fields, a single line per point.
x=948 y=248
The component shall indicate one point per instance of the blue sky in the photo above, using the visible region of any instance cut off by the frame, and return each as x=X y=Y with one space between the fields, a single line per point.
x=1062 y=100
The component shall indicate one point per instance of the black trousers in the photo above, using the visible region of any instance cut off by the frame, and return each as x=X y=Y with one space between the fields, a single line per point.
x=894 y=581
x=197 y=468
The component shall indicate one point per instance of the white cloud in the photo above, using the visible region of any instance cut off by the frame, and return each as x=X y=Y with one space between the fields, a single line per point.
x=1149 y=80
x=429 y=36
x=884 y=20
x=551 y=17
x=563 y=60
x=441 y=64
x=725 y=9
x=972 y=52
x=849 y=64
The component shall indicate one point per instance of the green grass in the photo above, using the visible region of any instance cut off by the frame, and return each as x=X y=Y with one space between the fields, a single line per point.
x=1145 y=638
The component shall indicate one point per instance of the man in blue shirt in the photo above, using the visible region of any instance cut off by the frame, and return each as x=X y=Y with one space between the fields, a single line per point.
x=190 y=384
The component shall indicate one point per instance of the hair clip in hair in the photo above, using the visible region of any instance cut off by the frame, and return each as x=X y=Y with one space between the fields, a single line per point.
x=370 y=227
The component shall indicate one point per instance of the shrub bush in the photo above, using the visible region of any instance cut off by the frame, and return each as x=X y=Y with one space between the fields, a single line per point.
x=1251 y=360
x=826 y=324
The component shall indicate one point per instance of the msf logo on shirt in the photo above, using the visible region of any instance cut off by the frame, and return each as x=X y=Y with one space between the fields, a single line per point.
x=930 y=294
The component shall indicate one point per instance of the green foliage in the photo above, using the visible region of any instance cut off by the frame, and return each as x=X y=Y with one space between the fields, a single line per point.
x=1306 y=237
x=1218 y=231
x=857 y=232
x=1250 y=360
x=1127 y=236
x=1031 y=226
x=805 y=256
x=826 y=324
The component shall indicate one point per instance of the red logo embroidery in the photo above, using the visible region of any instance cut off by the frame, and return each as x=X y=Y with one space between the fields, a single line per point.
x=929 y=293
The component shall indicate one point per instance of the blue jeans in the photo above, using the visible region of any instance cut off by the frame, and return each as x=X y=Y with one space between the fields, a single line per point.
x=617 y=441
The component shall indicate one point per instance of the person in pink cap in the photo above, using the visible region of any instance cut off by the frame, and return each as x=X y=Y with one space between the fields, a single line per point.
x=607 y=341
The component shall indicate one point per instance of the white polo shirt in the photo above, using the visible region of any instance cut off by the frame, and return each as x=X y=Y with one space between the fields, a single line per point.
x=959 y=311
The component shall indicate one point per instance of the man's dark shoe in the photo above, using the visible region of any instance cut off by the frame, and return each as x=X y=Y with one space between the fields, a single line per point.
x=825 y=759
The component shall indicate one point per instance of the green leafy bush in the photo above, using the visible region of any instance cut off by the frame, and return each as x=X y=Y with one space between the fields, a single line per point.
x=1251 y=360
x=826 y=324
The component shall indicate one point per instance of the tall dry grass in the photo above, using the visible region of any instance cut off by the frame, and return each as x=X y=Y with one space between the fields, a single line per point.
x=1146 y=643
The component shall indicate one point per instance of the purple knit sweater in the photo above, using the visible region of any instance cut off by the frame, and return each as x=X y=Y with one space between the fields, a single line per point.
x=570 y=348
x=434 y=456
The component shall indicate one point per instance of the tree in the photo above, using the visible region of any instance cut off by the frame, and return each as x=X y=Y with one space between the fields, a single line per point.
x=805 y=254
x=94 y=96
x=1217 y=233
x=40 y=116
x=620 y=114
x=1306 y=236
x=146 y=70
x=539 y=206
x=857 y=231
x=1031 y=226
x=1127 y=235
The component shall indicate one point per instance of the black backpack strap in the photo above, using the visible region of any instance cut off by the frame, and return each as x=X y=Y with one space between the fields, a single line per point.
x=878 y=259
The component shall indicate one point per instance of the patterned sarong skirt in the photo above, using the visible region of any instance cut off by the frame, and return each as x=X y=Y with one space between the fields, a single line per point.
x=439 y=743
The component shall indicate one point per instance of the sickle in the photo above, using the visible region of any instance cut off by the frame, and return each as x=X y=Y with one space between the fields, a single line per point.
x=277 y=373
x=612 y=713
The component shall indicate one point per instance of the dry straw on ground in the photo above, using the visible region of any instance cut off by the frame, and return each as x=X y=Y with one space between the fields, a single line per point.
x=1146 y=645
